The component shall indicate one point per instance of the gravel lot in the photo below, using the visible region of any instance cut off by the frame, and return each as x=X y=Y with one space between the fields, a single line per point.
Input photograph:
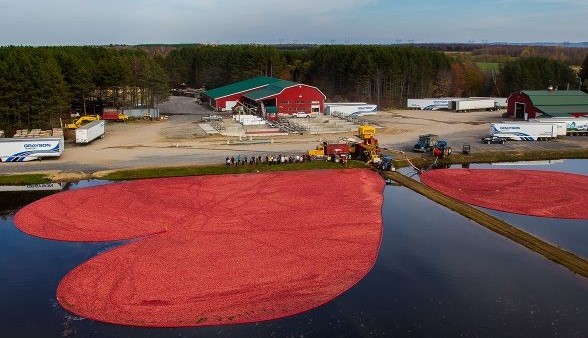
x=180 y=141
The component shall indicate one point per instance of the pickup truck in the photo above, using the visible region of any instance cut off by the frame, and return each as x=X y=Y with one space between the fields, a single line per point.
x=211 y=118
x=301 y=114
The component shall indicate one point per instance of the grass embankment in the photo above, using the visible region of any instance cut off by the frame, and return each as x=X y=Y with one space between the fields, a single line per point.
x=571 y=261
x=497 y=156
x=423 y=161
x=220 y=170
x=24 y=179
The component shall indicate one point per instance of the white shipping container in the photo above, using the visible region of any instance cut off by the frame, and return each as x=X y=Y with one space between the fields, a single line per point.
x=524 y=131
x=29 y=149
x=89 y=132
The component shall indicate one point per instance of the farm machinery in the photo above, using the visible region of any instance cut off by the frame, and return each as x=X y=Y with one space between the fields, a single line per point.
x=441 y=149
x=80 y=121
x=431 y=142
x=366 y=149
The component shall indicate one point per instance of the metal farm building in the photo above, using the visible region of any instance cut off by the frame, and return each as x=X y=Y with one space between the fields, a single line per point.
x=267 y=96
x=530 y=104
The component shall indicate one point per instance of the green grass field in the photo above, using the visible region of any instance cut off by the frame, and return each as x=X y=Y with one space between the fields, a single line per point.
x=488 y=66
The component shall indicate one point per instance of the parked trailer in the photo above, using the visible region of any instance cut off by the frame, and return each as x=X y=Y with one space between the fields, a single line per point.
x=574 y=125
x=524 y=131
x=499 y=102
x=429 y=103
x=29 y=149
x=89 y=132
x=465 y=105
x=560 y=126
x=349 y=109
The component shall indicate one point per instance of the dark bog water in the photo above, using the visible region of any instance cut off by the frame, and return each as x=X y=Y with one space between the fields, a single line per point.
x=569 y=234
x=437 y=275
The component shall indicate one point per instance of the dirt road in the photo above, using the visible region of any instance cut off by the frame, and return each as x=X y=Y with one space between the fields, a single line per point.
x=180 y=141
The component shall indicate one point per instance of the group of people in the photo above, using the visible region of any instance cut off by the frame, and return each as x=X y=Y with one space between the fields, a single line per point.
x=268 y=159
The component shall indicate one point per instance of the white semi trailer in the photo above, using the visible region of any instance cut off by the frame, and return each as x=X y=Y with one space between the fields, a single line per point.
x=346 y=109
x=574 y=125
x=465 y=105
x=89 y=132
x=29 y=149
x=561 y=126
x=524 y=131
x=428 y=103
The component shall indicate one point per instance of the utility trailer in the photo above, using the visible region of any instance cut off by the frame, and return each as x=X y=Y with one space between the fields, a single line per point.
x=524 y=131
x=29 y=149
x=574 y=125
x=89 y=132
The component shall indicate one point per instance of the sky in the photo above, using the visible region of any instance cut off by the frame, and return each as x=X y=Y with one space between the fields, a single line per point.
x=100 y=22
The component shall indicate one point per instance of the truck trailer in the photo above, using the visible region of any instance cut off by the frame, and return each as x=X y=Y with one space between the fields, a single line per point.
x=574 y=125
x=346 y=109
x=89 y=132
x=429 y=103
x=29 y=149
x=465 y=105
x=524 y=131
x=560 y=126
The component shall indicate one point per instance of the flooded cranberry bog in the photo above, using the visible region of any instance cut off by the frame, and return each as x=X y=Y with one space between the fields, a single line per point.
x=436 y=274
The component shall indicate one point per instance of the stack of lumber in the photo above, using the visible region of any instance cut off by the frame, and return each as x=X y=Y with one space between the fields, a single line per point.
x=21 y=133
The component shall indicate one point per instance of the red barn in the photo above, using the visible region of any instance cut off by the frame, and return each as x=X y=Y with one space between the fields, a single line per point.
x=529 y=104
x=267 y=95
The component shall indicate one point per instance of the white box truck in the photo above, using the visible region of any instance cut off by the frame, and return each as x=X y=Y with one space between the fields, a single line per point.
x=29 y=149
x=89 y=132
x=524 y=131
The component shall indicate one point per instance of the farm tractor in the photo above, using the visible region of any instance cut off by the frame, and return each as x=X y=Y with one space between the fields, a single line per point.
x=431 y=142
x=441 y=149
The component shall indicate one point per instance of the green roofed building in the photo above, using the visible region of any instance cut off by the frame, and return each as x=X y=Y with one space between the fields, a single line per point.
x=528 y=104
x=266 y=96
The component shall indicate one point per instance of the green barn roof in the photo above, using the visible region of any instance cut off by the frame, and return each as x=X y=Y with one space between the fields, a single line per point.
x=240 y=87
x=270 y=90
x=557 y=97
x=559 y=102
x=562 y=111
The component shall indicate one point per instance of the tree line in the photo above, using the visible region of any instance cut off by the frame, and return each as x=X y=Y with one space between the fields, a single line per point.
x=40 y=85
x=385 y=75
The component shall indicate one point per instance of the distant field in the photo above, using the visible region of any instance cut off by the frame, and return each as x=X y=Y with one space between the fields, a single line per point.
x=488 y=66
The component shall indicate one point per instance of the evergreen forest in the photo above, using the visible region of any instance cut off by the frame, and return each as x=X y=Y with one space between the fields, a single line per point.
x=40 y=85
